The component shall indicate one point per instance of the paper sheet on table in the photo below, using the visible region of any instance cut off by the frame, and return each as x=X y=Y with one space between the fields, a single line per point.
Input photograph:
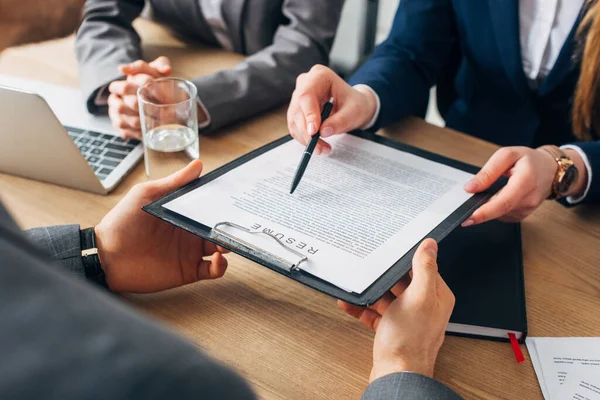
x=355 y=213
x=554 y=359
x=535 y=360
x=582 y=383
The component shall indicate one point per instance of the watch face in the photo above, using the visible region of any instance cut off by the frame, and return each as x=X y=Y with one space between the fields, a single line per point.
x=568 y=179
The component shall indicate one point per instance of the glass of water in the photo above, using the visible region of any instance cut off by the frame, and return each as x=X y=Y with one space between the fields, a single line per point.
x=168 y=115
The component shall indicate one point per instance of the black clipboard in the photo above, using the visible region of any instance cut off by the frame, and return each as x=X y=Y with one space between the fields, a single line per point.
x=373 y=292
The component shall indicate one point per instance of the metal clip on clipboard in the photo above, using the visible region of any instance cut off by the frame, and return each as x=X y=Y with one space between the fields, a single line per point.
x=288 y=266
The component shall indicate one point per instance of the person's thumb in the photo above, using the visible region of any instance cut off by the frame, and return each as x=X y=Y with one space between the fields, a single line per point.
x=343 y=119
x=162 y=64
x=424 y=267
x=176 y=180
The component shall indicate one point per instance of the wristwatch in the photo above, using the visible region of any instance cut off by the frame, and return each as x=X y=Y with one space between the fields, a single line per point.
x=89 y=258
x=566 y=174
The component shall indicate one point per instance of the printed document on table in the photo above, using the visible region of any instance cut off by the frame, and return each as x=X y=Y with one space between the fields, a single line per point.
x=581 y=384
x=535 y=360
x=355 y=213
x=555 y=359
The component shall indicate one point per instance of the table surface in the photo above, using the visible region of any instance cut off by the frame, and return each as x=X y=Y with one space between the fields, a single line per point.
x=289 y=341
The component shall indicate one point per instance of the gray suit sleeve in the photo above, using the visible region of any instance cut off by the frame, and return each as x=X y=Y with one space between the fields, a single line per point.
x=62 y=244
x=408 y=386
x=68 y=340
x=105 y=40
x=267 y=78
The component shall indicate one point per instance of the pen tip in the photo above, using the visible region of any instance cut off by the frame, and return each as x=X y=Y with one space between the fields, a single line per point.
x=332 y=100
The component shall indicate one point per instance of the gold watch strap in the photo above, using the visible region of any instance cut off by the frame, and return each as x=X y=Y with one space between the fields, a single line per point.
x=563 y=162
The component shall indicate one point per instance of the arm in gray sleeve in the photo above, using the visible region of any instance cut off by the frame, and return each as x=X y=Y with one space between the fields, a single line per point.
x=408 y=386
x=105 y=40
x=267 y=79
x=62 y=244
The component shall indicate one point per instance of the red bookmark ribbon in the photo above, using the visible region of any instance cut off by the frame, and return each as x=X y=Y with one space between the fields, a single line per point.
x=516 y=348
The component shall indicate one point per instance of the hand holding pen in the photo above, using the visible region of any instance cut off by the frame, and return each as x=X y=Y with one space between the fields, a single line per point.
x=355 y=107
x=311 y=147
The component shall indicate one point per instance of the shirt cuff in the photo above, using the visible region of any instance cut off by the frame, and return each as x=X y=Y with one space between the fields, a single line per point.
x=588 y=167
x=102 y=96
x=370 y=124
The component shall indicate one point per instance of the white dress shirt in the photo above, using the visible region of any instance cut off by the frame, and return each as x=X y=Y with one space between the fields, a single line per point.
x=544 y=26
x=212 y=11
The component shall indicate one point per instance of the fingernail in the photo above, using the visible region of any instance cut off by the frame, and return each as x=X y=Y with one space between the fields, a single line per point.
x=312 y=129
x=327 y=132
x=471 y=186
x=326 y=150
x=468 y=222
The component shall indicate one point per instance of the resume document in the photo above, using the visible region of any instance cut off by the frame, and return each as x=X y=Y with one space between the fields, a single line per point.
x=355 y=213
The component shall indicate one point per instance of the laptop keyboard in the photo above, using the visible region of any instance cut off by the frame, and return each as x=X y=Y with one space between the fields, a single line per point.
x=103 y=152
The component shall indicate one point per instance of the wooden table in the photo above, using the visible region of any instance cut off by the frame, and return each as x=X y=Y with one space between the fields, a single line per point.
x=289 y=341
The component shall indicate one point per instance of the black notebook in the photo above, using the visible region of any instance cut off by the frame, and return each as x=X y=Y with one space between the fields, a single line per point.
x=483 y=265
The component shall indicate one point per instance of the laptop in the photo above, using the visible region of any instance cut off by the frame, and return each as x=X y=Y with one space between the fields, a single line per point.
x=47 y=134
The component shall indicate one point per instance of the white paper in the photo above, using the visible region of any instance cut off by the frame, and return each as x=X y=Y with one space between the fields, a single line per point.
x=554 y=359
x=582 y=383
x=533 y=354
x=354 y=214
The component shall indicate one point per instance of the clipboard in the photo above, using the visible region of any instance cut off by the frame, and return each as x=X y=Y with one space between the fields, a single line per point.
x=222 y=233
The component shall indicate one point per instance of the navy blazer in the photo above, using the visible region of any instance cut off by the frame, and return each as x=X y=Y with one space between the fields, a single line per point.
x=471 y=50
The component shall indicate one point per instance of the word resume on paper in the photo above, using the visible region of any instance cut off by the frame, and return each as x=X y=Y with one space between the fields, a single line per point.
x=356 y=212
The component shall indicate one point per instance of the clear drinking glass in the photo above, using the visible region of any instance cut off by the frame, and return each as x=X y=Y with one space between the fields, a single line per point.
x=168 y=115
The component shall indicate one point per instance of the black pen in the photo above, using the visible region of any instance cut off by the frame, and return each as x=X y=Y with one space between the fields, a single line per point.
x=311 y=147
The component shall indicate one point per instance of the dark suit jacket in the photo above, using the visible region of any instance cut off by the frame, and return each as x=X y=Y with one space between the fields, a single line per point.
x=282 y=39
x=63 y=338
x=471 y=49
